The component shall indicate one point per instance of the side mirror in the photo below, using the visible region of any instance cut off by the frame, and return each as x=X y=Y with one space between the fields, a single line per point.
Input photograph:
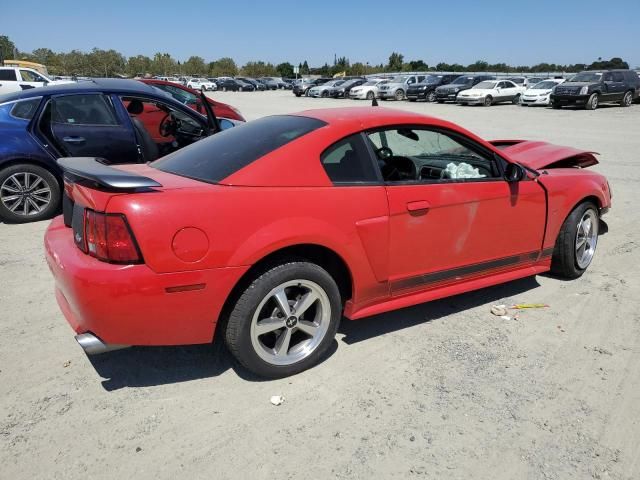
x=514 y=173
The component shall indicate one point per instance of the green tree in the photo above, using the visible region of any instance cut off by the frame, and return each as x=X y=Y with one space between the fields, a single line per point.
x=259 y=69
x=416 y=66
x=395 y=62
x=139 y=65
x=106 y=63
x=478 y=66
x=163 y=64
x=285 y=70
x=7 y=48
x=223 y=67
x=304 y=70
x=194 y=66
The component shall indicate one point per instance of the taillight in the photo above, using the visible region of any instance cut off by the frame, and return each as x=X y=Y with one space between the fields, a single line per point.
x=107 y=237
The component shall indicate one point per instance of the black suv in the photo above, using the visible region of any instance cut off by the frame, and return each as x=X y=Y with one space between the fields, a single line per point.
x=591 y=88
x=426 y=90
x=463 y=82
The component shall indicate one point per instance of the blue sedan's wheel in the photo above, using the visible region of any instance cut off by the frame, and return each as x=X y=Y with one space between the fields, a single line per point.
x=28 y=193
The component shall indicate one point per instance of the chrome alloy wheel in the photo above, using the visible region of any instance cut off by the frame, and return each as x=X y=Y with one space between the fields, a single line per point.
x=586 y=238
x=290 y=322
x=25 y=193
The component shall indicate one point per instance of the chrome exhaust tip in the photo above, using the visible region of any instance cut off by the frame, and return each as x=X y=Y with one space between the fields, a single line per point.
x=92 y=345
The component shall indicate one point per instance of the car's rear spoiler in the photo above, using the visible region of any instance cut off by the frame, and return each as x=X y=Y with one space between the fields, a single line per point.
x=94 y=171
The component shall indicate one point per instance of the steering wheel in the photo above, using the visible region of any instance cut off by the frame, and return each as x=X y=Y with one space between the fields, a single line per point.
x=399 y=168
x=168 y=125
x=383 y=153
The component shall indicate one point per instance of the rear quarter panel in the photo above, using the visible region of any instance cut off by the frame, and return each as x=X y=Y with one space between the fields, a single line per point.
x=245 y=224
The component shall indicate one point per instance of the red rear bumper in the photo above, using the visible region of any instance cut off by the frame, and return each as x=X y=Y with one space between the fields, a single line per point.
x=129 y=304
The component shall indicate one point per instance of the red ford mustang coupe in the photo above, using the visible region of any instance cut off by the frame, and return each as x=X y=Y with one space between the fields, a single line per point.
x=270 y=232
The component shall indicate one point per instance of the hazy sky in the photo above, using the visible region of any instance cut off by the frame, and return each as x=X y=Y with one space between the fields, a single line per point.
x=516 y=32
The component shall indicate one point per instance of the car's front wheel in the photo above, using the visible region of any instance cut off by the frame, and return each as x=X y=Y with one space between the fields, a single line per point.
x=285 y=320
x=28 y=193
x=576 y=242
x=431 y=96
x=399 y=95
x=488 y=101
x=370 y=95
x=592 y=103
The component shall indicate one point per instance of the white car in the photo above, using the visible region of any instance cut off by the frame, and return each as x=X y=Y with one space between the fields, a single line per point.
x=15 y=79
x=201 y=84
x=323 y=90
x=490 y=92
x=368 y=90
x=539 y=94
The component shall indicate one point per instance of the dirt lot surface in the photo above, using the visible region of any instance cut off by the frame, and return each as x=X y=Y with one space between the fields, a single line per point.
x=442 y=390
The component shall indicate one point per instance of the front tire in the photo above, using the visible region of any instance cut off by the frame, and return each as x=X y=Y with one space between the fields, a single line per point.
x=488 y=101
x=399 y=95
x=28 y=193
x=592 y=103
x=370 y=95
x=431 y=97
x=285 y=320
x=576 y=242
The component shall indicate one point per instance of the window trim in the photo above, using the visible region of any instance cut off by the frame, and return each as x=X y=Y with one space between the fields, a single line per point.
x=496 y=160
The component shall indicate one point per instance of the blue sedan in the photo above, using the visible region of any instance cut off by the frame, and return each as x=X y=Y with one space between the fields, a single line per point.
x=120 y=121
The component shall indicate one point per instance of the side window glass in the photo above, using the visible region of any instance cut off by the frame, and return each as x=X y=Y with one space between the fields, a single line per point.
x=25 y=109
x=8 y=75
x=92 y=109
x=29 y=76
x=618 y=77
x=348 y=161
x=410 y=154
x=607 y=77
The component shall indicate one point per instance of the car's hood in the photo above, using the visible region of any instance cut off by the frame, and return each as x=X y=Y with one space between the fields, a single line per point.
x=537 y=91
x=541 y=155
x=480 y=91
x=461 y=86
x=576 y=84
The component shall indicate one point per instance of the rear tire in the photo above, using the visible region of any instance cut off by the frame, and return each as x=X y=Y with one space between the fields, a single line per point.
x=627 y=99
x=273 y=343
x=516 y=100
x=592 y=103
x=571 y=259
x=28 y=193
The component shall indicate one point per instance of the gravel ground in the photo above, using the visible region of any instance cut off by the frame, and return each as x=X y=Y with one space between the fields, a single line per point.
x=440 y=390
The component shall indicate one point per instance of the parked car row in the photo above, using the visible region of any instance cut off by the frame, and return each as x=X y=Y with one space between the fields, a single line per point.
x=586 y=89
x=232 y=84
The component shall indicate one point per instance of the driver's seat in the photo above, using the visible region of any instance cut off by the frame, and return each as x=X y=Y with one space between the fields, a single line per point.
x=147 y=146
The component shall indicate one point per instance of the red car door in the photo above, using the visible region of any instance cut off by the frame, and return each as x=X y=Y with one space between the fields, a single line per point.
x=452 y=215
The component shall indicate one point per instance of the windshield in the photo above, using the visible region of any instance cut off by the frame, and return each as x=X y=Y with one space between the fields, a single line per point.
x=587 y=77
x=486 y=85
x=369 y=84
x=183 y=96
x=399 y=79
x=546 y=85
x=432 y=79
x=516 y=79
x=462 y=80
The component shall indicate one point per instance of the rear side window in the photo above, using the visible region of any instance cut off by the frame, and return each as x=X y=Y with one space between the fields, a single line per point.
x=215 y=158
x=8 y=75
x=25 y=109
x=348 y=161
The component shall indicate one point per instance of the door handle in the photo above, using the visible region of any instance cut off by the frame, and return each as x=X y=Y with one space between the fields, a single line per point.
x=418 y=206
x=73 y=139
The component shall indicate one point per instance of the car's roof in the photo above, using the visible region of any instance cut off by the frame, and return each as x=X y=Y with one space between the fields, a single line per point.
x=365 y=117
x=114 y=85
